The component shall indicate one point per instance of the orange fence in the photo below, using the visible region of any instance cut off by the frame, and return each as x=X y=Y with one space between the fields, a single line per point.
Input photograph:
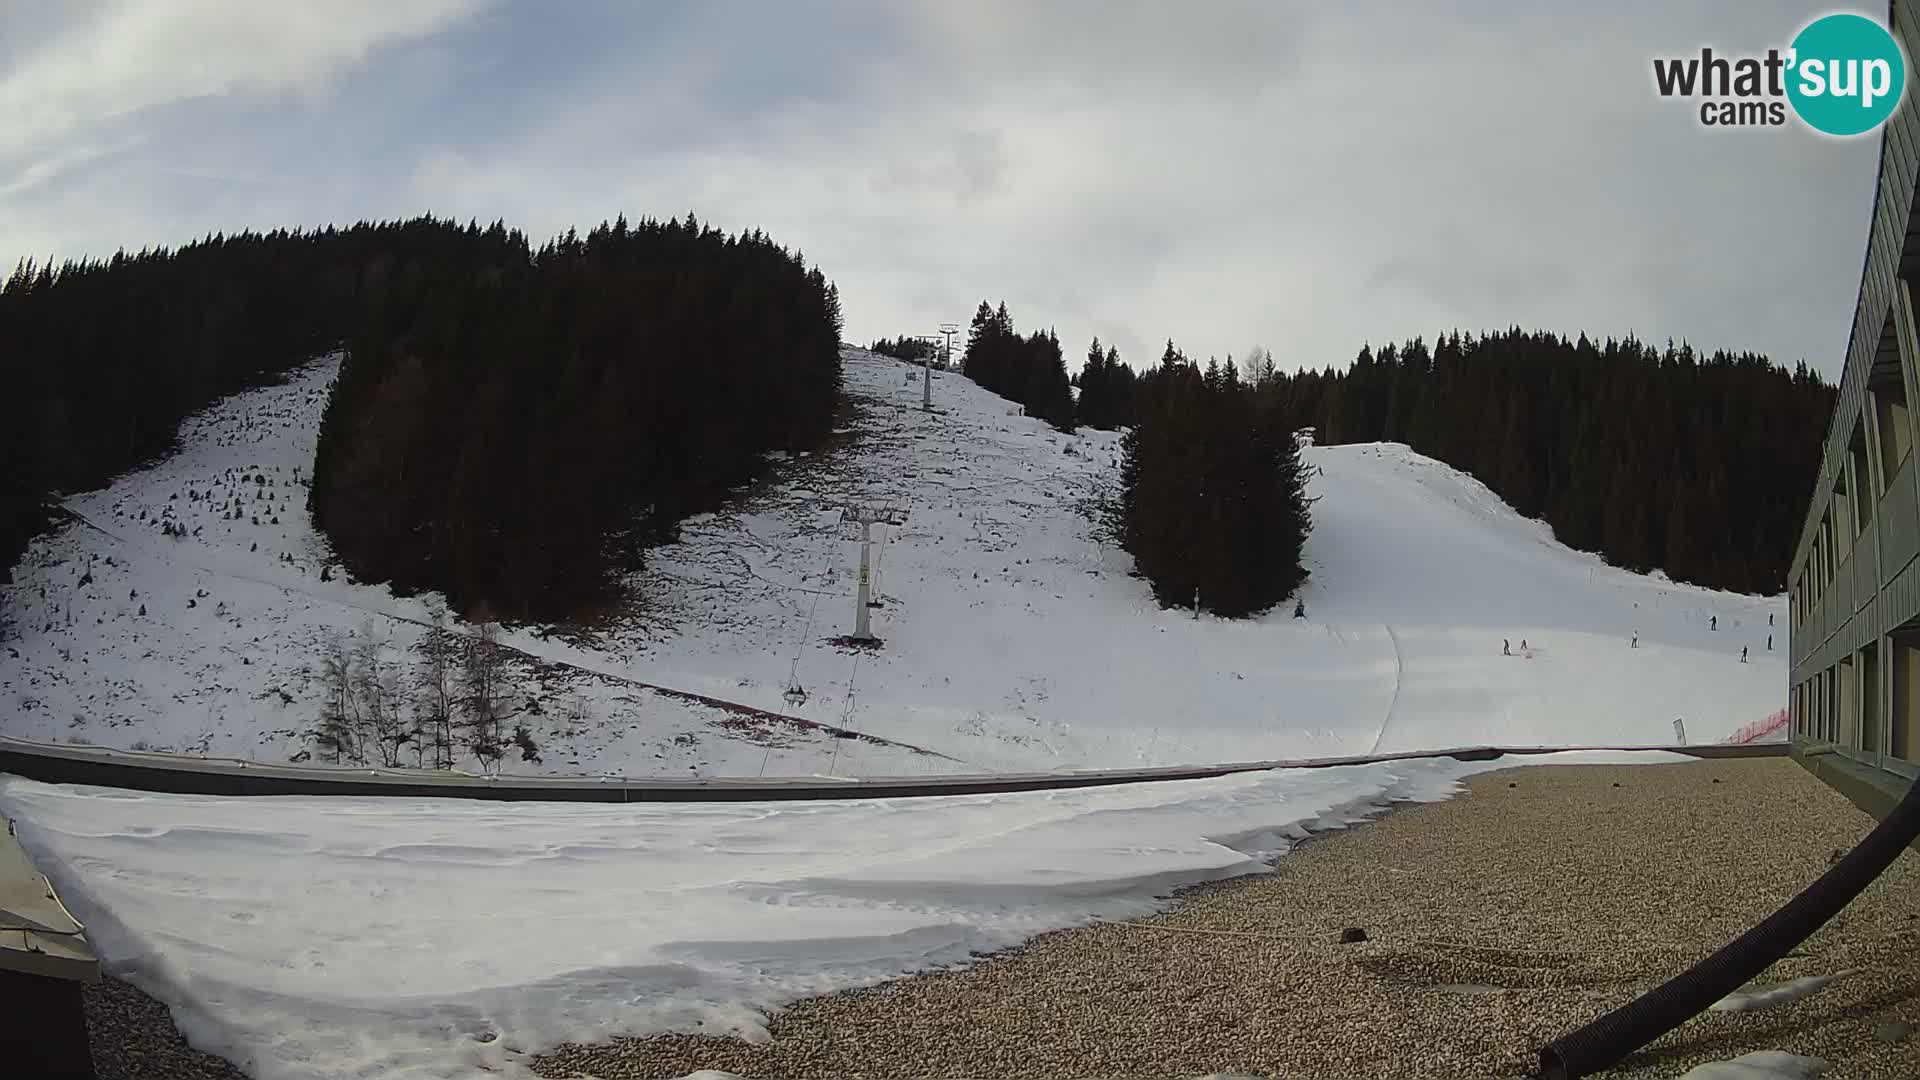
x=1761 y=730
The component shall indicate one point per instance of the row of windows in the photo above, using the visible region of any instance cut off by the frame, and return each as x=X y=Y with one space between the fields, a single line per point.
x=1881 y=442
x=1868 y=702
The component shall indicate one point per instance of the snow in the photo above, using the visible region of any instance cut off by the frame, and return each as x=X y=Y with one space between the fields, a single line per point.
x=345 y=937
x=1754 y=999
x=1015 y=638
x=1760 y=1065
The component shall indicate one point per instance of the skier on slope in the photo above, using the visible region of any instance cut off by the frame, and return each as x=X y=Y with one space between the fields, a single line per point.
x=1506 y=647
x=1743 y=654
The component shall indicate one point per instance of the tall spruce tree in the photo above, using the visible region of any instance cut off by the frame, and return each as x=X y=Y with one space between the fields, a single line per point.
x=1121 y=381
x=1092 y=408
x=1048 y=394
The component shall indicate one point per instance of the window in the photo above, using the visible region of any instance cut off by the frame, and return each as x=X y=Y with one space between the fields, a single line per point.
x=1864 y=488
x=1827 y=562
x=1903 y=718
x=1843 y=527
x=1888 y=387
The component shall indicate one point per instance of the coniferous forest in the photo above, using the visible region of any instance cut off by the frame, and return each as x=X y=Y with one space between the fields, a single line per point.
x=1656 y=459
x=1106 y=390
x=516 y=438
x=506 y=416
x=1029 y=370
x=101 y=359
x=1694 y=465
x=512 y=427
x=912 y=349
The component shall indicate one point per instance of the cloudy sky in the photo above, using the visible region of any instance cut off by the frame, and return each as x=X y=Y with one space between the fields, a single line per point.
x=1306 y=176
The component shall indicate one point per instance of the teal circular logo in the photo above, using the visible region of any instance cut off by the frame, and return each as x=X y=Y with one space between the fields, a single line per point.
x=1845 y=74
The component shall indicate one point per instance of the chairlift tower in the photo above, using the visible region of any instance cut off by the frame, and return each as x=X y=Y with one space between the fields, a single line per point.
x=926 y=372
x=947 y=330
x=866 y=517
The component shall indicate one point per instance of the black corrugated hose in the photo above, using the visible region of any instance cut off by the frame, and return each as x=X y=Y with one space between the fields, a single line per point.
x=1637 y=1023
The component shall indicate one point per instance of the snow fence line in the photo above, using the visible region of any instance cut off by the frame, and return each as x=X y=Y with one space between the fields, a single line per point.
x=1760 y=730
x=97 y=766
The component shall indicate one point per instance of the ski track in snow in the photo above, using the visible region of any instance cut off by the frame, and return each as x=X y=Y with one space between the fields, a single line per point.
x=1015 y=638
x=1399 y=678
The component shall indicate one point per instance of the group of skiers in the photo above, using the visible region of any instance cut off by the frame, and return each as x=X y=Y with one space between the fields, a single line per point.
x=1713 y=623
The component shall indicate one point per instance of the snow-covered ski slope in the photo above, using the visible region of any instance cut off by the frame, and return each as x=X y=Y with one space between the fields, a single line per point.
x=1014 y=637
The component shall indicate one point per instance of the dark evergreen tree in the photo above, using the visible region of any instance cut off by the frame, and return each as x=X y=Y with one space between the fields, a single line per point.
x=1121 y=382
x=1213 y=503
x=906 y=348
x=1048 y=394
x=1029 y=371
x=1091 y=407
x=1106 y=390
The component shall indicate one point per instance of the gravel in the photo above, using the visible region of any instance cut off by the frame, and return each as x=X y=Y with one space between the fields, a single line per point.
x=1495 y=922
x=134 y=1038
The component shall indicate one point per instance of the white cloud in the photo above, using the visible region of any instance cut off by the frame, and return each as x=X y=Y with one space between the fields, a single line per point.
x=1307 y=177
x=125 y=57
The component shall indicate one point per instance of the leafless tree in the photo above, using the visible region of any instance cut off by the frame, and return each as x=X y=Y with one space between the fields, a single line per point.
x=481 y=678
x=336 y=733
x=1259 y=365
x=578 y=710
x=376 y=685
x=434 y=680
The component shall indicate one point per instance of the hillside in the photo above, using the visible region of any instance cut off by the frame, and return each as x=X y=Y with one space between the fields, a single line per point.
x=1014 y=637
x=1658 y=459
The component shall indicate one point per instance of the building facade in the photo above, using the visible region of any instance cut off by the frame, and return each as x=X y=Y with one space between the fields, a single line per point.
x=1855 y=580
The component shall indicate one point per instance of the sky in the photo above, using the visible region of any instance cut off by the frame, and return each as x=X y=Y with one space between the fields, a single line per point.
x=1225 y=173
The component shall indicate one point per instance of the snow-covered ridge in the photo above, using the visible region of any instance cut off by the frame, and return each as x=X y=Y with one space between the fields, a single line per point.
x=1015 y=639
